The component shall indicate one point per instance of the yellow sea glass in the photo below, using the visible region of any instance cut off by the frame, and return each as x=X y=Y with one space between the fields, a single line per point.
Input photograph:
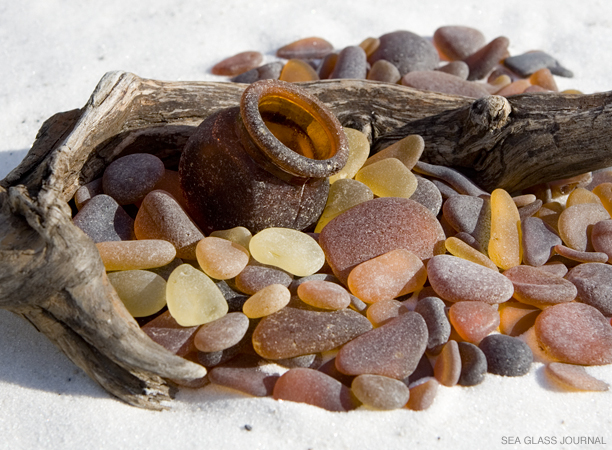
x=135 y=255
x=343 y=195
x=457 y=247
x=581 y=195
x=504 y=244
x=193 y=298
x=239 y=235
x=220 y=258
x=359 y=150
x=388 y=178
x=291 y=250
x=143 y=293
x=407 y=150
x=267 y=301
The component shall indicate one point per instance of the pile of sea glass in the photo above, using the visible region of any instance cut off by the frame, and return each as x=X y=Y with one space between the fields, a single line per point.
x=413 y=276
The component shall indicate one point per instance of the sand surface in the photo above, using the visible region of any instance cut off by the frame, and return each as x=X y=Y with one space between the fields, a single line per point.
x=52 y=55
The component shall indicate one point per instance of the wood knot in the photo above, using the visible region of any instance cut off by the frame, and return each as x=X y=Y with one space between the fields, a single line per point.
x=490 y=113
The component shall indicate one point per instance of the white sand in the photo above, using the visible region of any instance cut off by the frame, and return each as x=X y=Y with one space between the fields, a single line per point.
x=52 y=55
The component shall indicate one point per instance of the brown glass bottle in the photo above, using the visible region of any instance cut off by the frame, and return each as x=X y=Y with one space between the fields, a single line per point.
x=263 y=164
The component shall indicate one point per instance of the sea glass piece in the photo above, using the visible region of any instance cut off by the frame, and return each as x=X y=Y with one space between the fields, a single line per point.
x=422 y=394
x=170 y=183
x=380 y=392
x=245 y=374
x=267 y=301
x=583 y=257
x=307 y=48
x=359 y=149
x=447 y=368
x=408 y=150
x=343 y=195
x=424 y=369
x=142 y=292
x=383 y=311
x=544 y=78
x=407 y=51
x=314 y=388
x=254 y=278
x=530 y=62
x=351 y=63
x=456 y=279
x=538 y=240
x=454 y=178
x=291 y=250
x=575 y=333
x=270 y=71
x=574 y=378
x=329 y=368
x=575 y=224
x=497 y=83
x=295 y=332
x=601 y=237
x=530 y=209
x=549 y=213
x=134 y=255
x=515 y=88
x=237 y=64
x=376 y=227
x=327 y=66
x=222 y=333
x=504 y=243
x=506 y=355
x=388 y=178
x=536 y=287
x=161 y=217
x=594 y=285
x=103 y=219
x=387 y=276
x=433 y=311
x=239 y=235
x=456 y=42
x=604 y=192
x=515 y=318
x=384 y=71
x=87 y=192
x=469 y=214
x=324 y=294
x=473 y=320
x=446 y=83
x=166 y=331
x=220 y=258
x=392 y=350
x=483 y=61
x=193 y=298
x=458 y=69
x=369 y=45
x=296 y=70
x=473 y=364
x=428 y=195
x=460 y=249
x=129 y=178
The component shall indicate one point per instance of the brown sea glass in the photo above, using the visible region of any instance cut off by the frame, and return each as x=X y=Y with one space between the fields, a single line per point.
x=237 y=64
x=307 y=48
x=263 y=164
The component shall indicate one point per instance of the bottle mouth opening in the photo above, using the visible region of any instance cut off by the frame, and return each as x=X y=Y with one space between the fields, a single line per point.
x=292 y=128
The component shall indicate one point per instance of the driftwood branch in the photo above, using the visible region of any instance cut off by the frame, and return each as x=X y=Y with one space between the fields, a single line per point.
x=51 y=273
x=518 y=142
